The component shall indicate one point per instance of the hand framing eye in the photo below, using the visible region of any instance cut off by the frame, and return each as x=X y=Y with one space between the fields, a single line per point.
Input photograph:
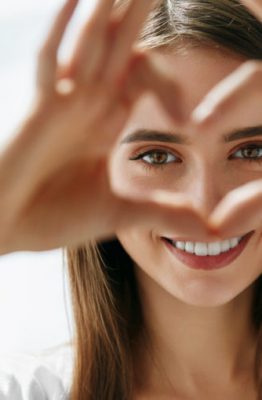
x=236 y=101
x=54 y=174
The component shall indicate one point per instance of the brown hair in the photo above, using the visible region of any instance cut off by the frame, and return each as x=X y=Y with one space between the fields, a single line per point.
x=106 y=307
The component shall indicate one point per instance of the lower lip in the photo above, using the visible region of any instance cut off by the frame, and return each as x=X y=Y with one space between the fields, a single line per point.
x=209 y=262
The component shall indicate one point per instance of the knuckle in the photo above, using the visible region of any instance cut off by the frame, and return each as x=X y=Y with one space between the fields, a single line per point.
x=45 y=52
x=112 y=30
x=138 y=62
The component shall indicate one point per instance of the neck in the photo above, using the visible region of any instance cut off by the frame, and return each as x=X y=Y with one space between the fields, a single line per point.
x=193 y=344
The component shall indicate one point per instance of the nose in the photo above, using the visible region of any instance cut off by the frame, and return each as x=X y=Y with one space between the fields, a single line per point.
x=205 y=188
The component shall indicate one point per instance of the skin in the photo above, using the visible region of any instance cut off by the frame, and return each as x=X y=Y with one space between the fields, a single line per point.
x=180 y=303
x=238 y=99
x=61 y=150
x=65 y=146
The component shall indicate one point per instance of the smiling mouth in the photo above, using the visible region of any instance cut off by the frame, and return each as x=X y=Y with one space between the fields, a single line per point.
x=203 y=255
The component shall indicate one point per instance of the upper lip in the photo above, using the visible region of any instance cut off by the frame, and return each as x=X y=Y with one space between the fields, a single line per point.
x=207 y=240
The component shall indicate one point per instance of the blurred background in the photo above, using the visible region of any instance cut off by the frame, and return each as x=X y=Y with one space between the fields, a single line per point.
x=35 y=309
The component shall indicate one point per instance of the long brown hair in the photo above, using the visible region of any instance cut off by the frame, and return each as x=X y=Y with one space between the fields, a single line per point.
x=106 y=308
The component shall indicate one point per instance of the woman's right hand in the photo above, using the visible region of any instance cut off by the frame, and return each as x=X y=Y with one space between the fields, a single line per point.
x=54 y=183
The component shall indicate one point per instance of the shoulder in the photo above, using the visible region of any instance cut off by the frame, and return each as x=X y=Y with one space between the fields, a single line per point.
x=42 y=376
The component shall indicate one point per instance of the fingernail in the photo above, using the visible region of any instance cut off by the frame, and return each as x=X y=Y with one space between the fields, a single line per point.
x=65 y=86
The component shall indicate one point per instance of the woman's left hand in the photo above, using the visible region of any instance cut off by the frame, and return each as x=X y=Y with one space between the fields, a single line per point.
x=236 y=101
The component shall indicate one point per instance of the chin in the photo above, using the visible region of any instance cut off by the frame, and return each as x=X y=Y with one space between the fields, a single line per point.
x=206 y=292
x=196 y=296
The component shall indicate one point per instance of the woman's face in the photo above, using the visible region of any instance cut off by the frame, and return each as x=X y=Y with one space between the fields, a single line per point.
x=203 y=166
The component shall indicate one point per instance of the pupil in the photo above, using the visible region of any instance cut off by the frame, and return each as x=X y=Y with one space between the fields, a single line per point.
x=158 y=158
x=251 y=152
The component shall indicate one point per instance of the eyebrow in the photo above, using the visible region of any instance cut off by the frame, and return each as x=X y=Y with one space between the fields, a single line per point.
x=148 y=135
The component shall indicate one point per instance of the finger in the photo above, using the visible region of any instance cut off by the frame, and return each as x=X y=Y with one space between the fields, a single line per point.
x=127 y=32
x=240 y=211
x=92 y=42
x=255 y=6
x=47 y=60
x=149 y=74
x=142 y=76
x=173 y=214
x=234 y=101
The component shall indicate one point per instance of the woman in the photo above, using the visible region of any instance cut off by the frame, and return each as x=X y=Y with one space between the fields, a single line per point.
x=145 y=163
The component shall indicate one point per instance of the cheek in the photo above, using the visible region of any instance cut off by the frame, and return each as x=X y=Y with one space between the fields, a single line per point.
x=138 y=244
x=240 y=173
x=146 y=250
x=132 y=176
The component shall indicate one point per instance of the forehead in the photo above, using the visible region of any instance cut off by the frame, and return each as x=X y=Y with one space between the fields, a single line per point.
x=195 y=71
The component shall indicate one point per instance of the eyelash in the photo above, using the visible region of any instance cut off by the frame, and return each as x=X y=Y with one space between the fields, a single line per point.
x=147 y=165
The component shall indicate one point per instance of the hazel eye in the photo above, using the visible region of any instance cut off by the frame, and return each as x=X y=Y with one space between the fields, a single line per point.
x=159 y=157
x=156 y=157
x=249 y=153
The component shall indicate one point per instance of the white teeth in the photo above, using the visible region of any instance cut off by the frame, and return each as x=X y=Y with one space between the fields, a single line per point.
x=233 y=242
x=214 y=249
x=180 y=245
x=225 y=245
x=189 y=247
x=201 y=249
x=204 y=249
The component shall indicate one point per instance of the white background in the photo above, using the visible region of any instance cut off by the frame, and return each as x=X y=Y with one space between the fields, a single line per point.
x=35 y=310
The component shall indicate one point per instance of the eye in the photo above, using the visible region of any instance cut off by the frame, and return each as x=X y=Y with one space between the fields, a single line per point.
x=156 y=158
x=251 y=153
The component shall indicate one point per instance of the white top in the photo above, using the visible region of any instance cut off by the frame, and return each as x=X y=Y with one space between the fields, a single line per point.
x=42 y=376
